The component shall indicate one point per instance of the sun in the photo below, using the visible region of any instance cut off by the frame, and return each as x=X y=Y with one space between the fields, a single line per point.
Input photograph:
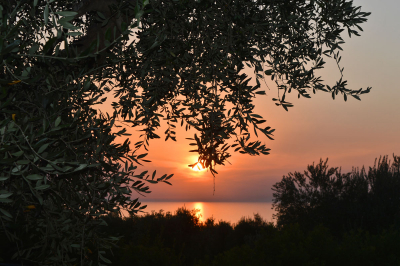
x=198 y=167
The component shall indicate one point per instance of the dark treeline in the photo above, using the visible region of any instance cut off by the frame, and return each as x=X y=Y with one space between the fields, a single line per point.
x=324 y=217
x=179 y=239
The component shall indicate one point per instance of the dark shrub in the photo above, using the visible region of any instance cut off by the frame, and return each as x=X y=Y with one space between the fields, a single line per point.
x=341 y=202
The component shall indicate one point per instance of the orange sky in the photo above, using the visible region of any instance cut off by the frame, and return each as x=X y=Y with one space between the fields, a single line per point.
x=351 y=133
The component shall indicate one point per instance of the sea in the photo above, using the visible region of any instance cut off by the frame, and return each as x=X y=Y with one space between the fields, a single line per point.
x=226 y=211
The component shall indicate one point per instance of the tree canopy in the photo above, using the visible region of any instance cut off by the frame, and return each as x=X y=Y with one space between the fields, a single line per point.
x=194 y=73
x=61 y=167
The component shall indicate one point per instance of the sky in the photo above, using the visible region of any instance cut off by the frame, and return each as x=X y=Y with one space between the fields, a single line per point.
x=350 y=134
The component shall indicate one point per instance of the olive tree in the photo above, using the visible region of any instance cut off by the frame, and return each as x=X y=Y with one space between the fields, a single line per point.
x=61 y=168
x=62 y=163
x=193 y=54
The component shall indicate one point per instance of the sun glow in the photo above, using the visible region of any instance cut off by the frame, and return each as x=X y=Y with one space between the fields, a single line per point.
x=198 y=167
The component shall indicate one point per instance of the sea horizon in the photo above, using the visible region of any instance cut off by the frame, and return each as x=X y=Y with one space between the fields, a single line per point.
x=227 y=211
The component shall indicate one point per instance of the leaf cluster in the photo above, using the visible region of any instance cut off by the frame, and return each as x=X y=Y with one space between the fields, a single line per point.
x=61 y=166
x=192 y=55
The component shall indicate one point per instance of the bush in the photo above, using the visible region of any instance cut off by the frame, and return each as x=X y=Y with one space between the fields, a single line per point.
x=291 y=245
x=341 y=202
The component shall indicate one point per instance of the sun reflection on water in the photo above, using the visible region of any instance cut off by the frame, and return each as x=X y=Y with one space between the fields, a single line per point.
x=199 y=206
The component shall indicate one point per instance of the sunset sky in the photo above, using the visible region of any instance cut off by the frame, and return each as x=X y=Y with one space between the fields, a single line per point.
x=351 y=133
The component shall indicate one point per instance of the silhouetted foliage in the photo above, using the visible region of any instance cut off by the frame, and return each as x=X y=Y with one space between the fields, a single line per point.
x=157 y=239
x=161 y=238
x=63 y=164
x=292 y=245
x=358 y=199
x=180 y=238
